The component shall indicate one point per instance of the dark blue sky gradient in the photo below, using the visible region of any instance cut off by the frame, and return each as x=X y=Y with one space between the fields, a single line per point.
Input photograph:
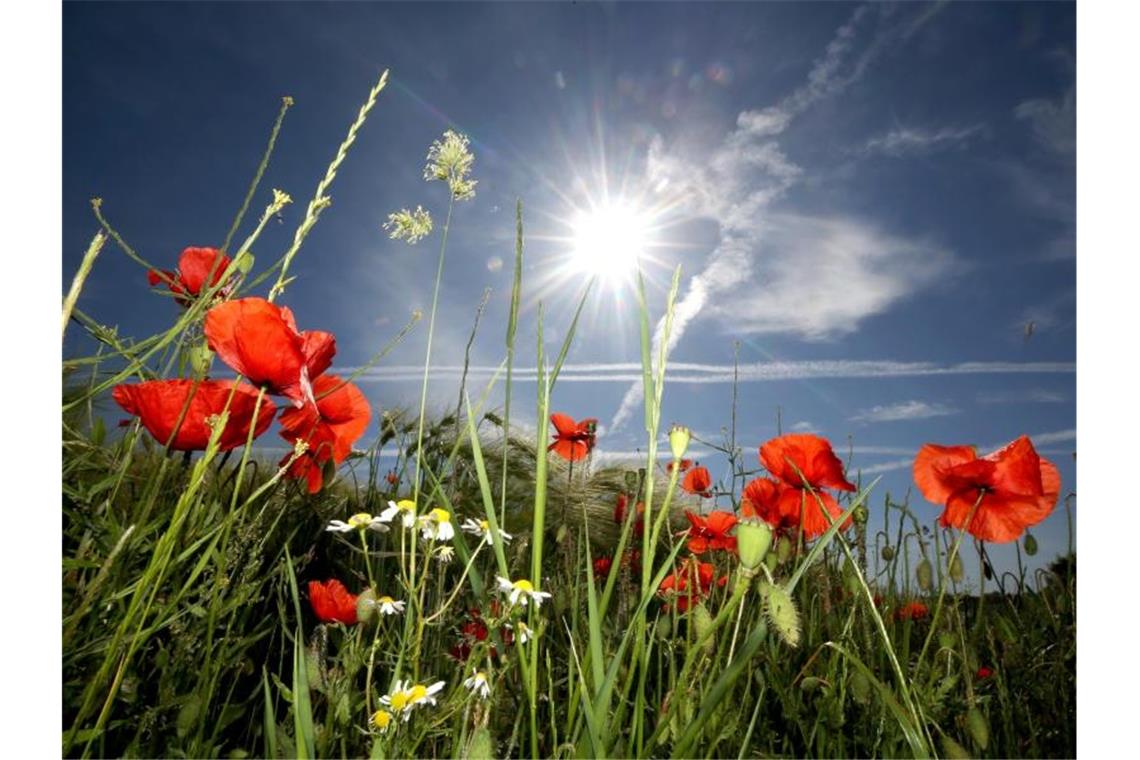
x=940 y=134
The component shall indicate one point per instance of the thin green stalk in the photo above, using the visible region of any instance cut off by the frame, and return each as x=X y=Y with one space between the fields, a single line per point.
x=286 y=102
x=85 y=266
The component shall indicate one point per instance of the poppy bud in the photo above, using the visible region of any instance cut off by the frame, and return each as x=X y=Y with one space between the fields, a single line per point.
x=860 y=687
x=245 y=262
x=481 y=744
x=887 y=553
x=772 y=560
x=781 y=612
x=957 y=572
x=679 y=440
x=925 y=575
x=810 y=683
x=1030 y=544
x=753 y=539
x=200 y=357
x=664 y=627
x=953 y=749
x=850 y=577
x=784 y=549
x=977 y=727
x=365 y=605
x=946 y=640
x=702 y=622
x=860 y=515
x=630 y=480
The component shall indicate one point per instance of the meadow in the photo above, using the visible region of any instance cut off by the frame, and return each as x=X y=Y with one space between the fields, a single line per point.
x=495 y=593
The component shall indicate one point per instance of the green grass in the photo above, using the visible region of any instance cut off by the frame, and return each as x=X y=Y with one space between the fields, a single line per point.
x=187 y=631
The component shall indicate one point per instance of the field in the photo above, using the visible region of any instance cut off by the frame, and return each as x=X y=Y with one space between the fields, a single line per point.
x=496 y=593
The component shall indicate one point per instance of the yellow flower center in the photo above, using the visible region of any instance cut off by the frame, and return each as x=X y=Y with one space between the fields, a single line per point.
x=440 y=515
x=417 y=693
x=381 y=718
x=524 y=586
x=360 y=520
x=385 y=600
x=401 y=700
x=484 y=526
x=406 y=505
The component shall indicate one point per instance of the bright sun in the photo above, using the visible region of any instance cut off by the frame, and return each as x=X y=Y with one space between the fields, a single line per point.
x=608 y=241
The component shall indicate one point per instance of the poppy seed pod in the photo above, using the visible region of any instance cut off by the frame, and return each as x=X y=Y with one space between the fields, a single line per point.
x=887 y=553
x=781 y=612
x=925 y=575
x=679 y=437
x=753 y=539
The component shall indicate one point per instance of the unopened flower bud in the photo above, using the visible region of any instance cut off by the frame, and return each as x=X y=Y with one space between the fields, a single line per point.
x=679 y=436
x=781 y=612
x=1030 y=544
x=957 y=572
x=753 y=539
x=977 y=727
x=365 y=605
x=924 y=574
x=702 y=622
x=887 y=553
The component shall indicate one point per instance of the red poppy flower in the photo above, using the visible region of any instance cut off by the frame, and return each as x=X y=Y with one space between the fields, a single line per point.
x=682 y=465
x=260 y=341
x=602 y=567
x=572 y=440
x=620 y=512
x=698 y=481
x=1013 y=487
x=711 y=532
x=983 y=672
x=194 y=267
x=332 y=603
x=761 y=498
x=690 y=584
x=159 y=403
x=330 y=427
x=912 y=611
x=798 y=457
x=392 y=478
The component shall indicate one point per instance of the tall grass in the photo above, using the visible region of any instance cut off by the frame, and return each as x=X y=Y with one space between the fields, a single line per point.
x=188 y=631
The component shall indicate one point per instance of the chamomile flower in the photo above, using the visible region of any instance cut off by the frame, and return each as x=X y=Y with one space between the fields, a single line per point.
x=483 y=528
x=359 y=521
x=406 y=697
x=445 y=553
x=381 y=720
x=389 y=606
x=405 y=508
x=478 y=684
x=436 y=525
x=522 y=591
x=524 y=632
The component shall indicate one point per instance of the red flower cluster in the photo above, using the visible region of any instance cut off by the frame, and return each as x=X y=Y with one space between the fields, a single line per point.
x=603 y=565
x=698 y=481
x=622 y=508
x=801 y=465
x=711 y=532
x=572 y=440
x=690 y=584
x=1006 y=491
x=475 y=630
x=332 y=603
x=195 y=266
x=160 y=404
x=682 y=465
x=912 y=611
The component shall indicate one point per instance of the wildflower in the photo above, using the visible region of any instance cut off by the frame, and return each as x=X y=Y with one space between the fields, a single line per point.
x=689 y=584
x=195 y=265
x=804 y=464
x=445 y=553
x=912 y=611
x=698 y=481
x=389 y=606
x=406 y=697
x=522 y=590
x=403 y=507
x=409 y=225
x=260 y=341
x=524 y=632
x=359 y=521
x=381 y=720
x=332 y=603
x=478 y=684
x=572 y=441
x=1013 y=488
x=983 y=673
x=392 y=478
x=761 y=498
x=330 y=425
x=436 y=525
x=679 y=437
x=483 y=528
x=711 y=532
x=620 y=512
x=681 y=465
x=159 y=404
x=602 y=567
x=450 y=161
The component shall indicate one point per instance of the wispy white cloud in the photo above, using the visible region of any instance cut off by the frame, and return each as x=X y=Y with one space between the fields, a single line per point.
x=1054 y=121
x=1041 y=439
x=803 y=426
x=1030 y=396
x=902 y=141
x=903 y=410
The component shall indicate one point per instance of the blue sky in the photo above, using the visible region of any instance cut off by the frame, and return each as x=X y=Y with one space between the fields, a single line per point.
x=873 y=200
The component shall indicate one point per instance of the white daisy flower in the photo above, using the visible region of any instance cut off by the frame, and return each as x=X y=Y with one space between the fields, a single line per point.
x=359 y=521
x=522 y=590
x=406 y=697
x=483 y=528
x=436 y=525
x=405 y=508
x=389 y=606
x=445 y=553
x=478 y=684
x=524 y=632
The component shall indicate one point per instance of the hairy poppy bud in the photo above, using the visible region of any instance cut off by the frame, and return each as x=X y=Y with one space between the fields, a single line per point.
x=753 y=539
x=630 y=480
x=925 y=575
x=977 y=727
x=365 y=605
x=781 y=612
x=702 y=622
x=953 y=749
x=957 y=572
x=860 y=687
x=887 y=553
x=860 y=515
x=679 y=440
x=200 y=357
x=784 y=549
x=1030 y=544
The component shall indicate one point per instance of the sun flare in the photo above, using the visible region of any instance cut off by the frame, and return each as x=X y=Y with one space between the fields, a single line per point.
x=609 y=240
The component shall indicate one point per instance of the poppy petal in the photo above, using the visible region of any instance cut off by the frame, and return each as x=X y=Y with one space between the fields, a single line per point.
x=931 y=466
